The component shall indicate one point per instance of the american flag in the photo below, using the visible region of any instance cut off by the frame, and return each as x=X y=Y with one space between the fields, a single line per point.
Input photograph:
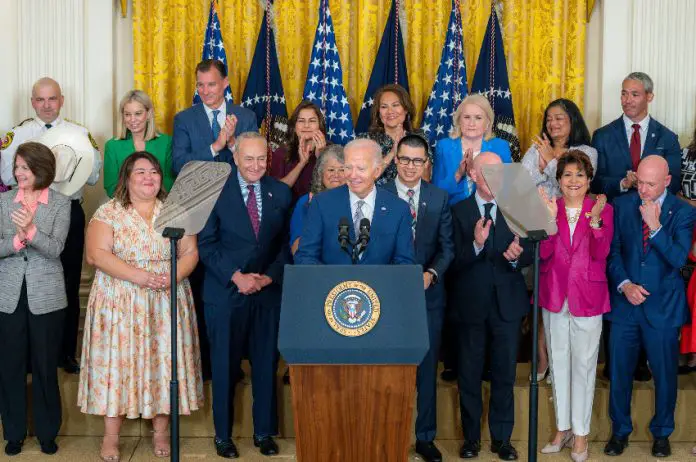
x=324 y=85
x=491 y=80
x=263 y=92
x=450 y=86
x=389 y=67
x=213 y=47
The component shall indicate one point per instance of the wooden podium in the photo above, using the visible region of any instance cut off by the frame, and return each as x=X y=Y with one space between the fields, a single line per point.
x=353 y=396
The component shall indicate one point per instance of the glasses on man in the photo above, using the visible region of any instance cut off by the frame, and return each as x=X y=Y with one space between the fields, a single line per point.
x=403 y=160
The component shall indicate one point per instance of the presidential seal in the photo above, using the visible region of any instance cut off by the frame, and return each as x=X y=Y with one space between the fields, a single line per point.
x=352 y=308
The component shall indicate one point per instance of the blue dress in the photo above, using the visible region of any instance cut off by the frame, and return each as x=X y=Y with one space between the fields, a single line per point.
x=448 y=155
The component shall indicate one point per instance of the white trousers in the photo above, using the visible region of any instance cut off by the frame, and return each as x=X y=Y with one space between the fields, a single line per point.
x=573 y=345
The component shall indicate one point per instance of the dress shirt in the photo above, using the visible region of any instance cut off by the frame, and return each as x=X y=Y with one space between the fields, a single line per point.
x=221 y=117
x=368 y=208
x=628 y=123
x=245 y=192
x=402 y=190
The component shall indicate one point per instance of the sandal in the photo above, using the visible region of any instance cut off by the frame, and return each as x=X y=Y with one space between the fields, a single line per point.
x=110 y=452
x=160 y=443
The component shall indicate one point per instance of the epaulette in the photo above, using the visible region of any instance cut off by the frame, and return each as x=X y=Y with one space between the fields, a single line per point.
x=6 y=140
x=89 y=135
x=25 y=121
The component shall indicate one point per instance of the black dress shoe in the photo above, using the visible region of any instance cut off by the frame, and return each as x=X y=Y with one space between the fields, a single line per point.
x=487 y=375
x=504 y=449
x=606 y=373
x=642 y=374
x=686 y=369
x=615 y=446
x=448 y=375
x=49 y=447
x=226 y=448
x=12 y=448
x=286 y=376
x=70 y=365
x=470 y=449
x=266 y=445
x=428 y=451
x=660 y=448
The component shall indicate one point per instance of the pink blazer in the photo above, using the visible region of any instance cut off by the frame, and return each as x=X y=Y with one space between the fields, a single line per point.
x=578 y=271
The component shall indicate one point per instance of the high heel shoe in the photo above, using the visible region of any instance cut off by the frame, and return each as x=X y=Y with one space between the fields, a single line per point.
x=566 y=442
x=582 y=456
x=541 y=375
x=112 y=453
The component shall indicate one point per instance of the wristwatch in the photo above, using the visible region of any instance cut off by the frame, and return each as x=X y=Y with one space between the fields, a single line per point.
x=596 y=224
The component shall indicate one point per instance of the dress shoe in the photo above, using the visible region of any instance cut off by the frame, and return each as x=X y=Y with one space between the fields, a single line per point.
x=686 y=369
x=541 y=376
x=565 y=442
x=642 y=374
x=504 y=449
x=448 y=375
x=12 y=448
x=470 y=449
x=70 y=365
x=266 y=445
x=581 y=456
x=226 y=448
x=615 y=446
x=428 y=451
x=286 y=376
x=48 y=447
x=661 y=448
x=606 y=373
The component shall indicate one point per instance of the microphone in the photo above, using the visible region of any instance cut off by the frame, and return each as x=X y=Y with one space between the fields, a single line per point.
x=344 y=232
x=364 y=236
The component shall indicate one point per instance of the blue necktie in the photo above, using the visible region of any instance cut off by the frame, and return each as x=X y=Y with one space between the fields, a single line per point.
x=215 y=125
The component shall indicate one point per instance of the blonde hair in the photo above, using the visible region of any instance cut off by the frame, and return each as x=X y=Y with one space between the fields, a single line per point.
x=482 y=103
x=142 y=98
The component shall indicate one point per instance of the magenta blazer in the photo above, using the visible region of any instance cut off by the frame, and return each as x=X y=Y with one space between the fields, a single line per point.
x=577 y=272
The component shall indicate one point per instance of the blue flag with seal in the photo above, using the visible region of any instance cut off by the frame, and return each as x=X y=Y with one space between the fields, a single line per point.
x=389 y=67
x=213 y=48
x=491 y=80
x=263 y=92
x=450 y=86
x=324 y=85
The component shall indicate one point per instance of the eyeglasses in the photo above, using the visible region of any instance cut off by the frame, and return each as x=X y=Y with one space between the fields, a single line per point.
x=407 y=160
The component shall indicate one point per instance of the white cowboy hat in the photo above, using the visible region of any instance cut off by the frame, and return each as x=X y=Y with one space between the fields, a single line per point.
x=74 y=157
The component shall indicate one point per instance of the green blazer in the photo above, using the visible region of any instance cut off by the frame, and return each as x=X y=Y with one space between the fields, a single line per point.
x=116 y=151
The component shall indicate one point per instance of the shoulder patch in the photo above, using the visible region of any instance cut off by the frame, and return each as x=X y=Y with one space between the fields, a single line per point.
x=91 y=140
x=6 y=140
x=73 y=122
x=25 y=121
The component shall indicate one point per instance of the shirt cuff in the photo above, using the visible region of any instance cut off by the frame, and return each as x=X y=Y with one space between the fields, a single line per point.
x=477 y=249
x=653 y=233
x=18 y=245
x=213 y=152
x=434 y=273
x=621 y=188
x=619 y=288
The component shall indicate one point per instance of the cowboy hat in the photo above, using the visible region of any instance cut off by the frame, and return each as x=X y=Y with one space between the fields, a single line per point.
x=74 y=157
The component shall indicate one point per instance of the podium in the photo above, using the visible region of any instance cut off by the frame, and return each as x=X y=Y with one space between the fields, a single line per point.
x=353 y=337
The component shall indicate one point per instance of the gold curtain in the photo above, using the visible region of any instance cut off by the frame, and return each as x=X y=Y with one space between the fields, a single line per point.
x=544 y=43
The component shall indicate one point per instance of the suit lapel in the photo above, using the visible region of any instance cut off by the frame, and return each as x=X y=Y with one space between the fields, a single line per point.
x=266 y=207
x=423 y=214
x=563 y=227
x=651 y=139
x=203 y=123
x=621 y=139
x=583 y=223
x=241 y=205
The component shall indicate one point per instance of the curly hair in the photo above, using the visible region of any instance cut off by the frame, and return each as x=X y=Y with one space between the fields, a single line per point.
x=333 y=151
x=574 y=157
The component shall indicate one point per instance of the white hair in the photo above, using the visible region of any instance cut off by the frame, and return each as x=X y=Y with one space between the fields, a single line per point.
x=248 y=136
x=368 y=145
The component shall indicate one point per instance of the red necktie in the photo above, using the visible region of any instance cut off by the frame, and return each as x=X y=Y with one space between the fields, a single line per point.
x=646 y=236
x=253 y=210
x=634 y=148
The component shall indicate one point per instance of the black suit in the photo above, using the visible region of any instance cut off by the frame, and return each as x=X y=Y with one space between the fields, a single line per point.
x=434 y=250
x=492 y=301
x=235 y=321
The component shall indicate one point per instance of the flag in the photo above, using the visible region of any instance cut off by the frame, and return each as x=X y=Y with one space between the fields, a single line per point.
x=263 y=92
x=324 y=85
x=389 y=67
x=491 y=80
x=213 y=47
x=450 y=86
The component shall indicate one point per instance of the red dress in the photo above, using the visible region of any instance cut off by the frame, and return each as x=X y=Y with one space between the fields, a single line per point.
x=688 y=337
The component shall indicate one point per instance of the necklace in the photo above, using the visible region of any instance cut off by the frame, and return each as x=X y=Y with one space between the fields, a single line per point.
x=575 y=217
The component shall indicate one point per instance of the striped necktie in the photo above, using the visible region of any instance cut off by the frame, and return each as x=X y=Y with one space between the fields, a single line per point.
x=215 y=125
x=414 y=214
x=646 y=236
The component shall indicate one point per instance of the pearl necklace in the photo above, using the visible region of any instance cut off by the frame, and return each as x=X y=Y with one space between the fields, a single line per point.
x=575 y=217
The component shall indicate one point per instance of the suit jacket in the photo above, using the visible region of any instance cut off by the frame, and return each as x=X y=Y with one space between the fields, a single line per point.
x=576 y=271
x=39 y=262
x=193 y=135
x=391 y=240
x=487 y=281
x=657 y=270
x=227 y=242
x=434 y=247
x=614 y=157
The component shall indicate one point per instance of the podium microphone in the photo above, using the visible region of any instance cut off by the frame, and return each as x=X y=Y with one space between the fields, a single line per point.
x=364 y=236
x=344 y=233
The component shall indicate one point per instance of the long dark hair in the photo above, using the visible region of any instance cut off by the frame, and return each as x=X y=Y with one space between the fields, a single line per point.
x=121 y=194
x=376 y=125
x=292 y=141
x=579 y=134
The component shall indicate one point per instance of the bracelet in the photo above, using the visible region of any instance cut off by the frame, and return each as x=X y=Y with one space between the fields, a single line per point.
x=596 y=223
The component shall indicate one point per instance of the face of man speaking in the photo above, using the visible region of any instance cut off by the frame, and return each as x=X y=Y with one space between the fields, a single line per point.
x=362 y=168
x=251 y=158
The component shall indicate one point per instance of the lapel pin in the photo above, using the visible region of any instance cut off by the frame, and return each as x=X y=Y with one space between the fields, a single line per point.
x=423 y=204
x=653 y=135
x=384 y=209
x=270 y=194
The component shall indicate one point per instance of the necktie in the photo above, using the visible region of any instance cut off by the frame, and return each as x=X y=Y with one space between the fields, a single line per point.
x=634 y=148
x=48 y=126
x=414 y=215
x=215 y=125
x=253 y=210
x=487 y=208
x=646 y=236
x=358 y=216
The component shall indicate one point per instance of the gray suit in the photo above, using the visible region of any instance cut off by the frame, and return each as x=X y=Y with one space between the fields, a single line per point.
x=39 y=261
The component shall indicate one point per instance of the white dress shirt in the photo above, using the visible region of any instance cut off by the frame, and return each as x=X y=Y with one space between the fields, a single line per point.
x=628 y=123
x=402 y=191
x=368 y=208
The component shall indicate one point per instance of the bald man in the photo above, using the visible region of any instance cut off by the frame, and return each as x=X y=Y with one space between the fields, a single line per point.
x=652 y=239
x=47 y=100
x=492 y=300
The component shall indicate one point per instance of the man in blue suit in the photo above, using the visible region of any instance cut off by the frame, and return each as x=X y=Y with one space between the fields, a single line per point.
x=432 y=230
x=207 y=131
x=652 y=238
x=391 y=238
x=244 y=247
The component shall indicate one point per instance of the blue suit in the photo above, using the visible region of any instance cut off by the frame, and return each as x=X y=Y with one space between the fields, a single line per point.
x=193 y=134
x=434 y=250
x=448 y=156
x=654 y=324
x=235 y=321
x=391 y=240
x=614 y=157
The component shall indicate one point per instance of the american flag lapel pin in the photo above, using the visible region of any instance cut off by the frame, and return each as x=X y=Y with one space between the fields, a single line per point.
x=384 y=209
x=270 y=194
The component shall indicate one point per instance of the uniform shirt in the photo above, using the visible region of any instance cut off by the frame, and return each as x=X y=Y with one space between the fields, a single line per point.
x=31 y=129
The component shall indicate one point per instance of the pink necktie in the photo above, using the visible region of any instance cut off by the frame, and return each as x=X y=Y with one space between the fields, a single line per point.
x=253 y=210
